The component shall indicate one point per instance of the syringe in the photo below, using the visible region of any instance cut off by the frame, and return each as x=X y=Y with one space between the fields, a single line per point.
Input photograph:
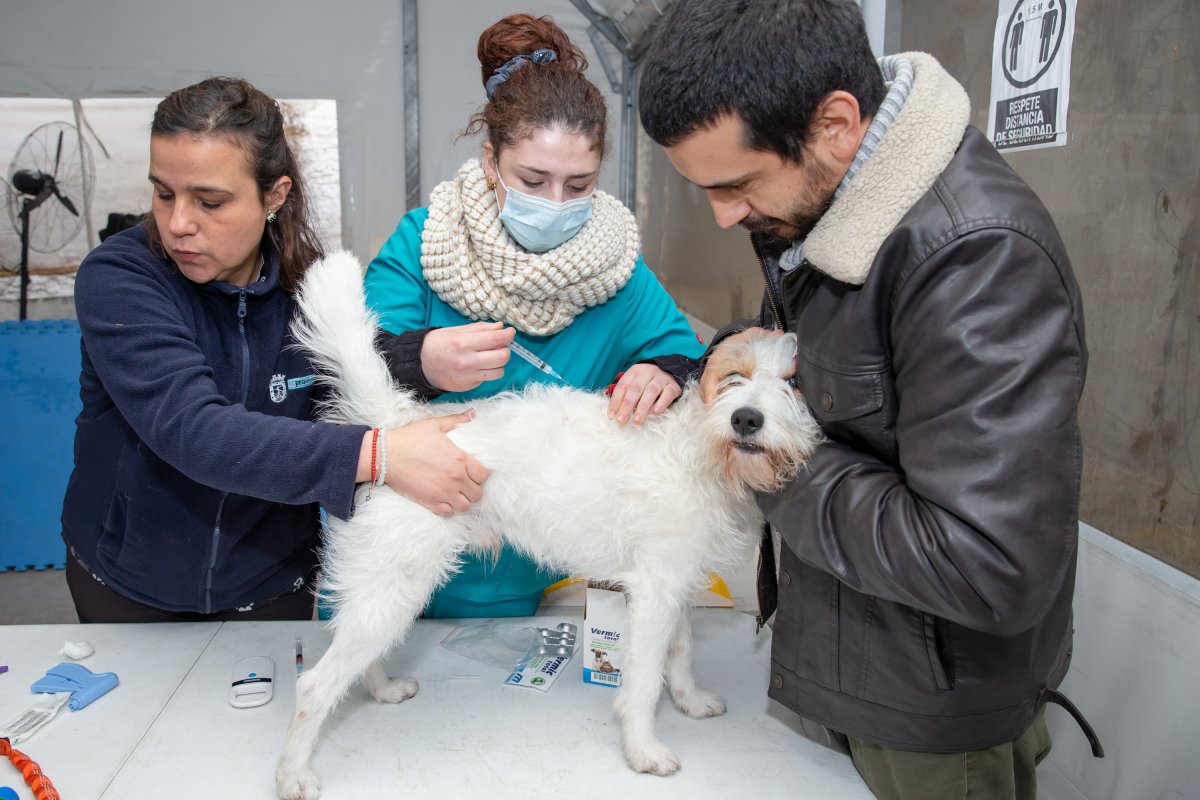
x=537 y=363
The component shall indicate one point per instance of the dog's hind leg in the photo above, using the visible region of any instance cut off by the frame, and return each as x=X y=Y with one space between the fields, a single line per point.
x=681 y=680
x=385 y=689
x=366 y=625
x=317 y=692
x=656 y=601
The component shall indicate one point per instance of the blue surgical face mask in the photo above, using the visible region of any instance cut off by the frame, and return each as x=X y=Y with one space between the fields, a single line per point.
x=538 y=224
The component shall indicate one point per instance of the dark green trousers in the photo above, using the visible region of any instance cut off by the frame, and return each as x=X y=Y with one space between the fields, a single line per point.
x=1004 y=772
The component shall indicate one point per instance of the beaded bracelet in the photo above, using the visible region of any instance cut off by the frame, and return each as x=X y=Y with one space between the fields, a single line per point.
x=382 y=436
x=371 y=483
x=374 y=452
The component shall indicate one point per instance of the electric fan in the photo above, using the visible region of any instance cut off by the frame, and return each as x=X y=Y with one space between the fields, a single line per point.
x=52 y=164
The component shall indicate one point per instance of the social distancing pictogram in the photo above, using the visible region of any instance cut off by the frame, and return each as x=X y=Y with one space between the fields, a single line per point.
x=1031 y=74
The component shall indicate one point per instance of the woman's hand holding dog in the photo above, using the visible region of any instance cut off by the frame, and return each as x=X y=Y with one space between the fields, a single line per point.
x=643 y=389
x=426 y=467
x=459 y=358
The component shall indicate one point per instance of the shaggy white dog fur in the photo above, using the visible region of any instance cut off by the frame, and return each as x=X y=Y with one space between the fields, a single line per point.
x=652 y=507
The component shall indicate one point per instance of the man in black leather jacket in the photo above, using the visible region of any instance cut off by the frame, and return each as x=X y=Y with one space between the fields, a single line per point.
x=928 y=551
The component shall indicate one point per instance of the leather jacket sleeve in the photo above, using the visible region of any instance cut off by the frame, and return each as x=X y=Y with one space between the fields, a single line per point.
x=974 y=519
x=682 y=368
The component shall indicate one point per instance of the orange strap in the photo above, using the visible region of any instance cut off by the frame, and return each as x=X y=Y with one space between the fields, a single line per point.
x=42 y=788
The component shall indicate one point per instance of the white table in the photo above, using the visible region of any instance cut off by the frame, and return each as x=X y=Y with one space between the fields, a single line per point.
x=82 y=751
x=169 y=731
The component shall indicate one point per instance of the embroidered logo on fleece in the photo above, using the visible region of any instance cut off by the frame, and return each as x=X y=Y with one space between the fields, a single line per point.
x=281 y=384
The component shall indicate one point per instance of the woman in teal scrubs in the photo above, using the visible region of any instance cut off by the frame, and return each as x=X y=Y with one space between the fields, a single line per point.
x=520 y=247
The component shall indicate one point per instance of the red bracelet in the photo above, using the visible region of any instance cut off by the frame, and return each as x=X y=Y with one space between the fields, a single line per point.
x=612 y=386
x=374 y=448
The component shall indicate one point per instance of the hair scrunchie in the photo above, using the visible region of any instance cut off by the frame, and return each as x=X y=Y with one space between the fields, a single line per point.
x=543 y=55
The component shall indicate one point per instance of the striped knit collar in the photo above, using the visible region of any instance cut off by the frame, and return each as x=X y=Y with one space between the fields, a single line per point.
x=898 y=75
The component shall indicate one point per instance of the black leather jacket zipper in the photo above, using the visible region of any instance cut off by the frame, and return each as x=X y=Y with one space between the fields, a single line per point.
x=770 y=287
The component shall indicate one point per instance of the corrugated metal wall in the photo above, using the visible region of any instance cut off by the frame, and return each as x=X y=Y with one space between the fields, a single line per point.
x=1126 y=194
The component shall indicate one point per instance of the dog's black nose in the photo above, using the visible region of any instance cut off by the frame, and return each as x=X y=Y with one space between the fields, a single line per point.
x=746 y=421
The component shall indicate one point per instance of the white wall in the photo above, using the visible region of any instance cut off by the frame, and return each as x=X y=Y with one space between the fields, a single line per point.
x=874 y=16
x=1134 y=676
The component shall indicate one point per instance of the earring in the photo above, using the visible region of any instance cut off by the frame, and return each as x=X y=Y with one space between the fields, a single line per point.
x=491 y=184
x=271 y=216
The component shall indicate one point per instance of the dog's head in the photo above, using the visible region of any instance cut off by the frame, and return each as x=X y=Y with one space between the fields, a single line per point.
x=757 y=419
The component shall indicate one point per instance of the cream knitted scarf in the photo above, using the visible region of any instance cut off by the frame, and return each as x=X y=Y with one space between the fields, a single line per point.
x=472 y=263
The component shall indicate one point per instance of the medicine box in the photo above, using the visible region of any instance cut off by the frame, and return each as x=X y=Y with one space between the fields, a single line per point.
x=604 y=642
x=604 y=635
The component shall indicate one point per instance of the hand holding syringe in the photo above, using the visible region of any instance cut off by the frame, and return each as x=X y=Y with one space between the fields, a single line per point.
x=461 y=357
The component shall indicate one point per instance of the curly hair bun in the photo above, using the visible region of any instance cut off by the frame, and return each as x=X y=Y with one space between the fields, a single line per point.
x=521 y=34
x=533 y=96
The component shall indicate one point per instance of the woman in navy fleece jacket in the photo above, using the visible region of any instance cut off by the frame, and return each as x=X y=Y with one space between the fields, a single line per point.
x=198 y=470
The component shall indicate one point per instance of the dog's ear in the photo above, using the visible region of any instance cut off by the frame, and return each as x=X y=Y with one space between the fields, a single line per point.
x=785 y=349
x=790 y=341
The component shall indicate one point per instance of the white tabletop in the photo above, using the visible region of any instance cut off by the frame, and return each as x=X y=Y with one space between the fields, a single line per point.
x=464 y=735
x=82 y=751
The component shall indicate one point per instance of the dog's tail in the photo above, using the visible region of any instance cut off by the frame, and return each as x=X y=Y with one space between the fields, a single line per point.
x=338 y=331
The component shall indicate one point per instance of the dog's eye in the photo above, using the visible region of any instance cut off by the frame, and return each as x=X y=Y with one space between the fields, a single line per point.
x=729 y=380
x=792 y=382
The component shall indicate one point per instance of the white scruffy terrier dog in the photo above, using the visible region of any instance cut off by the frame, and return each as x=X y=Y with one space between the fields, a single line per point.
x=651 y=507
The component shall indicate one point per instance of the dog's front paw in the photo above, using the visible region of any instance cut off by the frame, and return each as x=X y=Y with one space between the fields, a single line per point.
x=699 y=703
x=394 y=690
x=297 y=783
x=653 y=757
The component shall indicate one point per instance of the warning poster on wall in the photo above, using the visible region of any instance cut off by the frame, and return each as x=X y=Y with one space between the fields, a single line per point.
x=1031 y=74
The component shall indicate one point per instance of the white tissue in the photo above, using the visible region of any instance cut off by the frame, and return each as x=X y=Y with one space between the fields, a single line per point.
x=76 y=650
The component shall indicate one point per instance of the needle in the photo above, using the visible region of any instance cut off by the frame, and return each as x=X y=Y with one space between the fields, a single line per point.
x=537 y=363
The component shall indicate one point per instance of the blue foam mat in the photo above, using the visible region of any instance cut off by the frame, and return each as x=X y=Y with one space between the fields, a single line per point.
x=39 y=400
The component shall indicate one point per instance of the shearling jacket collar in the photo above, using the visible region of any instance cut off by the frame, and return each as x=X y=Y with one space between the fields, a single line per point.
x=905 y=164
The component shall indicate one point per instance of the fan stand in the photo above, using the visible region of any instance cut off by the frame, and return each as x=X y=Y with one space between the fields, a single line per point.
x=27 y=206
x=36 y=186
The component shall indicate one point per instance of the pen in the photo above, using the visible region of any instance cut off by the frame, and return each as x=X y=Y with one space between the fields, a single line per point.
x=537 y=363
x=299 y=656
